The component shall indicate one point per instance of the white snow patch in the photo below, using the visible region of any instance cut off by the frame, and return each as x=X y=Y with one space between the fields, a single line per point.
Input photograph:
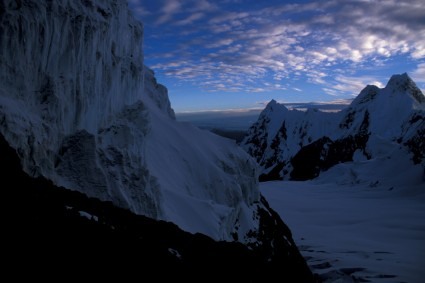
x=175 y=253
x=88 y=215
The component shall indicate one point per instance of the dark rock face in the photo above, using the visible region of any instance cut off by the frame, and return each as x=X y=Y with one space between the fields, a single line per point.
x=257 y=135
x=309 y=160
x=80 y=234
x=273 y=174
x=416 y=143
x=325 y=153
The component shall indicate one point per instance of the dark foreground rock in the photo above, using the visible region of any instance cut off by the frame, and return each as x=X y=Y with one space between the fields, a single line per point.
x=47 y=229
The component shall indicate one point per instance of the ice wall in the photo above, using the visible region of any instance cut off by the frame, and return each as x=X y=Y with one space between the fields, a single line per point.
x=81 y=109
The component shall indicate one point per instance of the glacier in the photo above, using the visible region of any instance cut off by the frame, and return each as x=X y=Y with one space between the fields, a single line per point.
x=81 y=109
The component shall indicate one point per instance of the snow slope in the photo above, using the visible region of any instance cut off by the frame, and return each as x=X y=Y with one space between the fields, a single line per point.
x=360 y=218
x=299 y=145
x=81 y=109
x=355 y=232
x=78 y=233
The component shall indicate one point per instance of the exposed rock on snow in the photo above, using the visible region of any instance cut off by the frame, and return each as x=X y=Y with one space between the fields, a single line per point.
x=379 y=122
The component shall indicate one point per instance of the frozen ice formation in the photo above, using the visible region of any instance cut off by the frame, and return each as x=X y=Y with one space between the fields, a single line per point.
x=81 y=109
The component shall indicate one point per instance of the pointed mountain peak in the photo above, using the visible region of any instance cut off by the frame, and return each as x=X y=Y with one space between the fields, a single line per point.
x=398 y=86
x=399 y=79
x=272 y=102
x=274 y=105
x=366 y=95
x=404 y=84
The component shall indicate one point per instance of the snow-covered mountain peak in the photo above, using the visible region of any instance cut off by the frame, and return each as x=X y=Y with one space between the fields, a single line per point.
x=366 y=95
x=403 y=84
x=400 y=82
x=273 y=107
x=399 y=88
x=271 y=103
x=387 y=108
x=283 y=140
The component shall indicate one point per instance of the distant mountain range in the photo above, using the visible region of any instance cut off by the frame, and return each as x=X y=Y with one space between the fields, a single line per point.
x=387 y=123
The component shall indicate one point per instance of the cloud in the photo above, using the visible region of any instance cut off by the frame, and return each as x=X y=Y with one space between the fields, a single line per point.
x=316 y=77
x=331 y=92
x=138 y=8
x=168 y=10
x=229 y=17
x=141 y=11
x=190 y=19
x=350 y=85
x=325 y=42
x=204 y=6
x=220 y=43
x=418 y=52
x=231 y=1
x=418 y=75
x=135 y=2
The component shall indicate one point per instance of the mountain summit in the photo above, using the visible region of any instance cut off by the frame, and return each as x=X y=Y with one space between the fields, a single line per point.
x=292 y=144
x=405 y=85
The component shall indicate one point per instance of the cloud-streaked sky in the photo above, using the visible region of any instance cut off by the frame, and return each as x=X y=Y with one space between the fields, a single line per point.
x=227 y=54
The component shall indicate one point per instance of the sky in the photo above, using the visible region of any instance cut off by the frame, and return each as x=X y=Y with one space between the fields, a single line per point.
x=240 y=54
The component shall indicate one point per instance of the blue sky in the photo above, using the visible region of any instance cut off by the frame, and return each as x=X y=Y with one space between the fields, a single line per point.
x=233 y=54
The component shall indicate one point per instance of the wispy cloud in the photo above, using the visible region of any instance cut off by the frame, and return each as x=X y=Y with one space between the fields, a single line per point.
x=204 y=6
x=220 y=43
x=168 y=10
x=419 y=74
x=350 y=85
x=325 y=42
x=190 y=19
x=138 y=8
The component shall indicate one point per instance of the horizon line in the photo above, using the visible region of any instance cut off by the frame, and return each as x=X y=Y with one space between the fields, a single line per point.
x=292 y=105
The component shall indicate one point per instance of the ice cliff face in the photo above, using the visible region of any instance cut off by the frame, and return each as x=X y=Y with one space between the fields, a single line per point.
x=379 y=124
x=81 y=109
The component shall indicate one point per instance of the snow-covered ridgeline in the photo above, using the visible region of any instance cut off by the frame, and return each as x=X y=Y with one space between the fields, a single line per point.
x=80 y=108
x=390 y=109
x=376 y=123
x=280 y=132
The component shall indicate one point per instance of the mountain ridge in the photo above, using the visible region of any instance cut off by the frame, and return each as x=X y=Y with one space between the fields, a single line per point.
x=394 y=115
